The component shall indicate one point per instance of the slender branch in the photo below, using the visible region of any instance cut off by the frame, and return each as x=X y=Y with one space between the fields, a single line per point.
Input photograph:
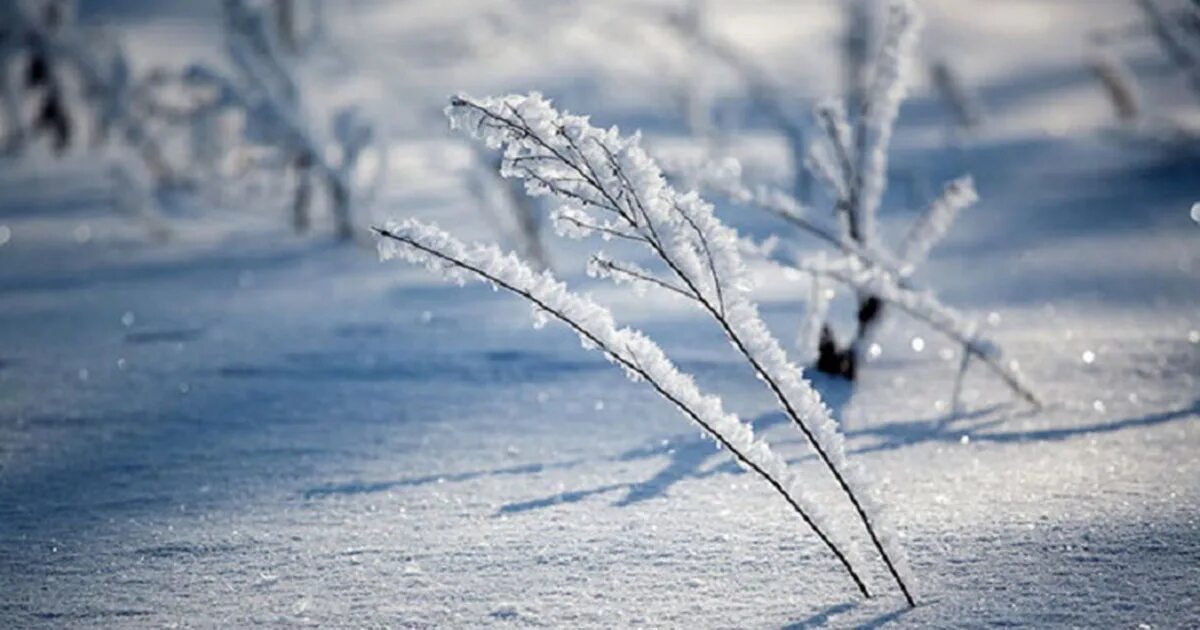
x=712 y=265
x=636 y=238
x=559 y=190
x=636 y=368
x=970 y=346
x=773 y=204
x=656 y=244
x=791 y=412
x=816 y=446
x=615 y=267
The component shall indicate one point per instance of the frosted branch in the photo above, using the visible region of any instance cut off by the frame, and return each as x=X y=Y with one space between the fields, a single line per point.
x=640 y=358
x=933 y=224
x=610 y=180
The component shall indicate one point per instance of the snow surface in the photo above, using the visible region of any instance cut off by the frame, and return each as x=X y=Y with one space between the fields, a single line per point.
x=240 y=426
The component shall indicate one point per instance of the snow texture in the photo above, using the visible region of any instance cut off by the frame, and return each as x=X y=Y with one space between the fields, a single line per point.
x=242 y=427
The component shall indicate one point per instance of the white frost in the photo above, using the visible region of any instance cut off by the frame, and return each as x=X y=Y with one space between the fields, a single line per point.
x=640 y=358
x=607 y=183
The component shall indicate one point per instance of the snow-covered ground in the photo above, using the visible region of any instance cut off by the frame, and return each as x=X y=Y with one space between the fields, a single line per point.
x=244 y=427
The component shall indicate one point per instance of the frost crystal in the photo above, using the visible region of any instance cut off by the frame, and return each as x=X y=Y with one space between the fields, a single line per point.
x=608 y=184
x=642 y=360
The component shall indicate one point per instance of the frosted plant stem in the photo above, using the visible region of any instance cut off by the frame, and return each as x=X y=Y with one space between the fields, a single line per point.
x=970 y=346
x=816 y=445
x=791 y=412
x=717 y=313
x=808 y=339
x=635 y=368
x=599 y=172
x=791 y=210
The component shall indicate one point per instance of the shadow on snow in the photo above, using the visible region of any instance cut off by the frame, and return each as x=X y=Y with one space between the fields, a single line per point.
x=693 y=457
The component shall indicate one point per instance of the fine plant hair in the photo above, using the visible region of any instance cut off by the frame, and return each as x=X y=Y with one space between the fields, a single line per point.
x=851 y=161
x=609 y=186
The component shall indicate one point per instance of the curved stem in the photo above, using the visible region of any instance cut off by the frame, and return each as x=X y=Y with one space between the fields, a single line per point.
x=634 y=367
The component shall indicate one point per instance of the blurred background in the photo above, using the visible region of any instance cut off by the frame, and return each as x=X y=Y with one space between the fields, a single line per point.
x=218 y=408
